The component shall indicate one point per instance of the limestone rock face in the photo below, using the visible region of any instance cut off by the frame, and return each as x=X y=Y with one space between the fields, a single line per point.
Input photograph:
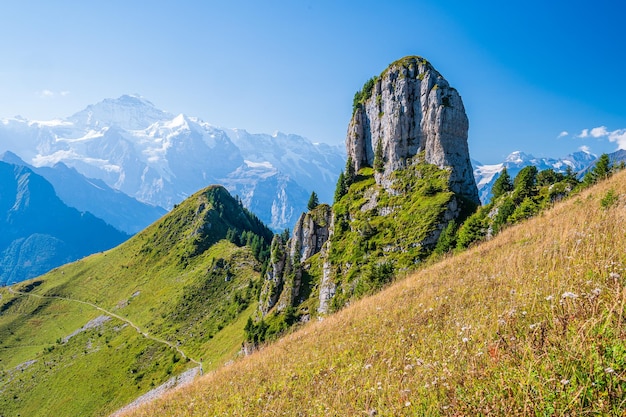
x=284 y=275
x=277 y=269
x=310 y=233
x=410 y=108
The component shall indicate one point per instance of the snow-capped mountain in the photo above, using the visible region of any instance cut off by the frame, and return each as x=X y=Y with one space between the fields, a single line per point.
x=161 y=158
x=486 y=175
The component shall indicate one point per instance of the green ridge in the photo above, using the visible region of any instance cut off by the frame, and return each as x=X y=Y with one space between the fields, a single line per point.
x=179 y=281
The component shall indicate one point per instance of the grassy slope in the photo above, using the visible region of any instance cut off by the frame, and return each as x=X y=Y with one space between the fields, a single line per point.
x=159 y=282
x=529 y=323
x=365 y=239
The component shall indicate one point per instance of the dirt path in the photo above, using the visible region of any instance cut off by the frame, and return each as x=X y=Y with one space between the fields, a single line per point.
x=117 y=316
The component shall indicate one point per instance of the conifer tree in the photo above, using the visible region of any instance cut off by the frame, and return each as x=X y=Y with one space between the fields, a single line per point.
x=313 y=201
x=350 y=173
x=502 y=185
x=524 y=183
x=600 y=171
x=340 y=189
x=379 y=159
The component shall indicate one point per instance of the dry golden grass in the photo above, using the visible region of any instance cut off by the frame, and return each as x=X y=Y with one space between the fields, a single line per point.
x=529 y=323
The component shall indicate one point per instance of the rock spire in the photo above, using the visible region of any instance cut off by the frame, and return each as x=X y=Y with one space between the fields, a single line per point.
x=410 y=108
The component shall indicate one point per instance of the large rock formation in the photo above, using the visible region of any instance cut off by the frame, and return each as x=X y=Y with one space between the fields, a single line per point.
x=408 y=109
x=409 y=130
x=284 y=274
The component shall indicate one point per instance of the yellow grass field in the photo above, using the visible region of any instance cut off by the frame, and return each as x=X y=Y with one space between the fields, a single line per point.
x=529 y=323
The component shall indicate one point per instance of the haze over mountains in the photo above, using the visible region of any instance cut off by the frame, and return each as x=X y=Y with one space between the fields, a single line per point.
x=40 y=232
x=160 y=158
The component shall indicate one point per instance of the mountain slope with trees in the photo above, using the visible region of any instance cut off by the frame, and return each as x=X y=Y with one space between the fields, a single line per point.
x=528 y=323
x=190 y=280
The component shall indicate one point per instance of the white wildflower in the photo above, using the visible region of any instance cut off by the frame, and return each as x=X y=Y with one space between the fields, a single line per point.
x=465 y=340
x=596 y=291
x=550 y=297
x=565 y=381
x=568 y=294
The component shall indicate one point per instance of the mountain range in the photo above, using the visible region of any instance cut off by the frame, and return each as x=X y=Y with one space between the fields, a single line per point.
x=160 y=158
x=500 y=319
x=94 y=196
x=40 y=232
x=486 y=175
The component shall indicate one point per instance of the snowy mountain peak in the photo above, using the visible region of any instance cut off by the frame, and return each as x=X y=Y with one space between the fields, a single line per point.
x=161 y=158
x=178 y=122
x=518 y=157
x=130 y=112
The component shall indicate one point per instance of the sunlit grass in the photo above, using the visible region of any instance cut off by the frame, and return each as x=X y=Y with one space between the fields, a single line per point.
x=529 y=323
x=151 y=280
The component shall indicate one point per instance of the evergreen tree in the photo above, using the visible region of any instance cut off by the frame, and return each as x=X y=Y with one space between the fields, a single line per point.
x=603 y=167
x=340 y=189
x=313 y=201
x=570 y=176
x=502 y=185
x=350 y=174
x=549 y=177
x=524 y=183
x=600 y=171
x=379 y=159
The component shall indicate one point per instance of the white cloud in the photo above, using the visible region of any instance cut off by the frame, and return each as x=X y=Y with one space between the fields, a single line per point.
x=585 y=148
x=50 y=94
x=598 y=132
x=563 y=134
x=616 y=136
x=46 y=93
x=619 y=137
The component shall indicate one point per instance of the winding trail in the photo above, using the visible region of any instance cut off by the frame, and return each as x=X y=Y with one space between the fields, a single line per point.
x=117 y=316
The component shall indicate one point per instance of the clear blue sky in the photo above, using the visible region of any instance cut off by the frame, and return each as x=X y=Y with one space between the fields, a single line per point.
x=528 y=71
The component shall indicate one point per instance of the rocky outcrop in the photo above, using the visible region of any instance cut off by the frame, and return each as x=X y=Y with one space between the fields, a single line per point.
x=284 y=274
x=310 y=233
x=275 y=275
x=410 y=108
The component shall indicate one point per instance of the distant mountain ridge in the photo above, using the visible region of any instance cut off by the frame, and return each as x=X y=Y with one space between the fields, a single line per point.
x=115 y=325
x=486 y=175
x=161 y=158
x=114 y=207
x=39 y=232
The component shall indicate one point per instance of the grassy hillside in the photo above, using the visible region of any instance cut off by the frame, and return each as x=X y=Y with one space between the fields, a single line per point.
x=90 y=337
x=529 y=323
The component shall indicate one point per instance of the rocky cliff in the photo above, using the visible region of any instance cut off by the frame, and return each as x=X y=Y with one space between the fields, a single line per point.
x=288 y=255
x=408 y=180
x=408 y=109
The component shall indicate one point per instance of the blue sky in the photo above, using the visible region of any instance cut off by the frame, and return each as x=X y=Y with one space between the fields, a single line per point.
x=542 y=77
